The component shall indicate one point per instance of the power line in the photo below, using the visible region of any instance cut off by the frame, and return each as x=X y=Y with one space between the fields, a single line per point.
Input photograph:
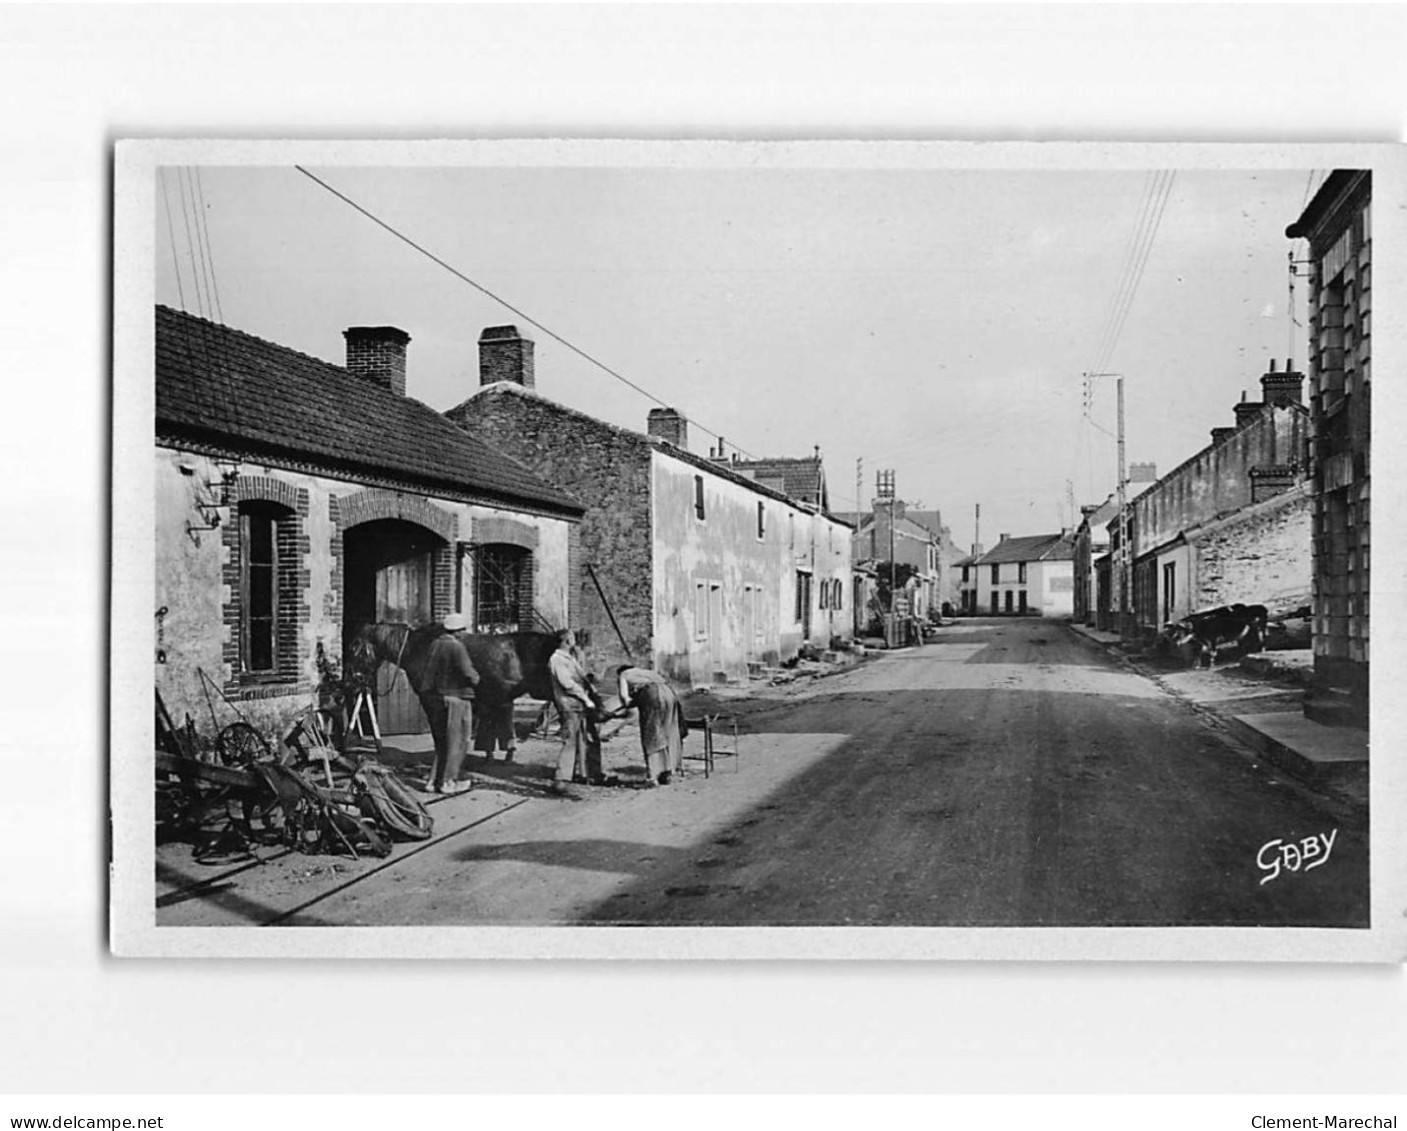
x=171 y=235
x=190 y=246
x=204 y=228
x=528 y=318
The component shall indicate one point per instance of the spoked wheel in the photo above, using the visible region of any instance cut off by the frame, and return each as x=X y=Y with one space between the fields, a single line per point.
x=239 y=745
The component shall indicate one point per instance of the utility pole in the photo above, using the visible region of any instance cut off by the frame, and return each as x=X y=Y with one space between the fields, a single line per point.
x=1123 y=559
x=859 y=487
x=884 y=491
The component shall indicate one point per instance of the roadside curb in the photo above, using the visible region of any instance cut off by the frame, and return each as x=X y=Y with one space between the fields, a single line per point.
x=1320 y=757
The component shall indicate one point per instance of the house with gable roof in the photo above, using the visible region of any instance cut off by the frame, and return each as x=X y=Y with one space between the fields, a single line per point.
x=686 y=564
x=1027 y=575
x=297 y=499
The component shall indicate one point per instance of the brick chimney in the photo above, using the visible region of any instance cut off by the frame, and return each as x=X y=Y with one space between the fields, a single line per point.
x=1246 y=411
x=1282 y=388
x=505 y=355
x=1143 y=472
x=377 y=354
x=1220 y=434
x=670 y=425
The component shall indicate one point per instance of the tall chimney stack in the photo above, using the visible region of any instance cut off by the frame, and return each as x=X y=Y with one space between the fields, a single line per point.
x=1246 y=411
x=1282 y=388
x=377 y=354
x=505 y=355
x=670 y=425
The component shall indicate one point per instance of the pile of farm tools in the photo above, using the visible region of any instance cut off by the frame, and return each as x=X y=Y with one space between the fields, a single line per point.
x=232 y=793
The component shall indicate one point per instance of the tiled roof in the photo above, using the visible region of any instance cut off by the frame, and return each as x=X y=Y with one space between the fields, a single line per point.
x=222 y=386
x=463 y=413
x=801 y=479
x=1031 y=548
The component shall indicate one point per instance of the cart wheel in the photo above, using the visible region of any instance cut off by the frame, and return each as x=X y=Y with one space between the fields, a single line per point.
x=239 y=744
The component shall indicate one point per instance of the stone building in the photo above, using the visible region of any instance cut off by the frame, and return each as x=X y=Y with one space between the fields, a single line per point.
x=918 y=540
x=1228 y=525
x=684 y=563
x=1338 y=225
x=1092 y=540
x=297 y=499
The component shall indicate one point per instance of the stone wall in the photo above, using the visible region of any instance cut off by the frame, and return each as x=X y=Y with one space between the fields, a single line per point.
x=607 y=470
x=1261 y=555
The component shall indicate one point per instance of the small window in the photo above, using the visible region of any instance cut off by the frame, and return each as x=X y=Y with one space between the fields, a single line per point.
x=964 y=573
x=698 y=497
x=996 y=573
x=1021 y=572
x=761 y=520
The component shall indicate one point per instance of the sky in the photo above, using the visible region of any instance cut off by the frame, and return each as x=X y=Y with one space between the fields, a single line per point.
x=936 y=322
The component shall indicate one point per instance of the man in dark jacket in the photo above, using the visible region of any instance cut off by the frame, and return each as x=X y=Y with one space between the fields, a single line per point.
x=448 y=699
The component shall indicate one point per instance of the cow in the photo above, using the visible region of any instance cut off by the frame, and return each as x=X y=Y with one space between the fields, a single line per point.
x=1200 y=636
x=509 y=665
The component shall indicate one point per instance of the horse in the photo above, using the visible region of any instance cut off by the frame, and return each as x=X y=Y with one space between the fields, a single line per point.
x=509 y=664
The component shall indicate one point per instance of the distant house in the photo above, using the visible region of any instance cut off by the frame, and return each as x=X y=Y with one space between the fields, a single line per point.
x=803 y=479
x=685 y=564
x=1338 y=225
x=1027 y=575
x=297 y=499
x=1228 y=525
x=1091 y=539
x=919 y=540
x=966 y=570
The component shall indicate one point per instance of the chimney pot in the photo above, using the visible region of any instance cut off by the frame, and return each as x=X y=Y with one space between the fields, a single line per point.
x=505 y=355
x=670 y=425
x=1282 y=388
x=377 y=354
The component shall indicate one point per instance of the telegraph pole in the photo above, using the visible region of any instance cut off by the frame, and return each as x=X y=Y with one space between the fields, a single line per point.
x=884 y=491
x=1123 y=559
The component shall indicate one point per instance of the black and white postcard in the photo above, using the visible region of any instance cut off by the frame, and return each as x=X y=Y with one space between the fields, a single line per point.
x=756 y=550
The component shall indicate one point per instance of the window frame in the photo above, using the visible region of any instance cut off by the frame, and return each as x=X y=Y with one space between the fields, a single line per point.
x=700 y=509
x=270 y=514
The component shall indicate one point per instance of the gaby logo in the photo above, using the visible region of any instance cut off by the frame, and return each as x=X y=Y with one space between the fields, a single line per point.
x=1293 y=855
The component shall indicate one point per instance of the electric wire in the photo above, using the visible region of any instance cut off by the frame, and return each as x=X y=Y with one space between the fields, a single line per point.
x=209 y=249
x=190 y=246
x=528 y=318
x=171 y=235
x=199 y=219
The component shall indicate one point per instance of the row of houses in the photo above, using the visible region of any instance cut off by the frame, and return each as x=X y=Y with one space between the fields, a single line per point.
x=1275 y=509
x=297 y=499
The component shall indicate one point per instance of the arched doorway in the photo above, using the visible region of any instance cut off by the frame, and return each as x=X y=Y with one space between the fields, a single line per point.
x=389 y=572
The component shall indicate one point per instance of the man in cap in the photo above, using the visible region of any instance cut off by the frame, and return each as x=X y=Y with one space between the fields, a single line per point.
x=448 y=699
x=580 y=757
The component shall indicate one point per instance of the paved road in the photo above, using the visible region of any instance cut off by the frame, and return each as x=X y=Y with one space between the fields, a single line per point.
x=1011 y=775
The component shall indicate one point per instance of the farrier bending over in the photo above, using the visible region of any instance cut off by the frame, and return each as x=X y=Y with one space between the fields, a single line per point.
x=661 y=720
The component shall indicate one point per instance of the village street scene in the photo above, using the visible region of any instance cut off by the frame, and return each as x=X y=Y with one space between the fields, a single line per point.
x=761 y=546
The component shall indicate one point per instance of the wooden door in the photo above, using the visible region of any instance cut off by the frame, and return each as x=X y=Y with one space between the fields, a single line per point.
x=403 y=591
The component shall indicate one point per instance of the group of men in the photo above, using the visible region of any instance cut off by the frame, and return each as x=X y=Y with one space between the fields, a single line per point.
x=451 y=681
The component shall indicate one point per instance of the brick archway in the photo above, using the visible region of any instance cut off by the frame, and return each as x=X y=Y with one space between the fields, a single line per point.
x=376 y=502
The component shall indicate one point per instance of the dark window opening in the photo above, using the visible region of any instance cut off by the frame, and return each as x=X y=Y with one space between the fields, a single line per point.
x=761 y=521
x=259 y=567
x=500 y=580
x=698 y=497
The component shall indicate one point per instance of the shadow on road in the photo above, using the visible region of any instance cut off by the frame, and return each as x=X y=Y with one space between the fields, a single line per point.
x=1018 y=800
